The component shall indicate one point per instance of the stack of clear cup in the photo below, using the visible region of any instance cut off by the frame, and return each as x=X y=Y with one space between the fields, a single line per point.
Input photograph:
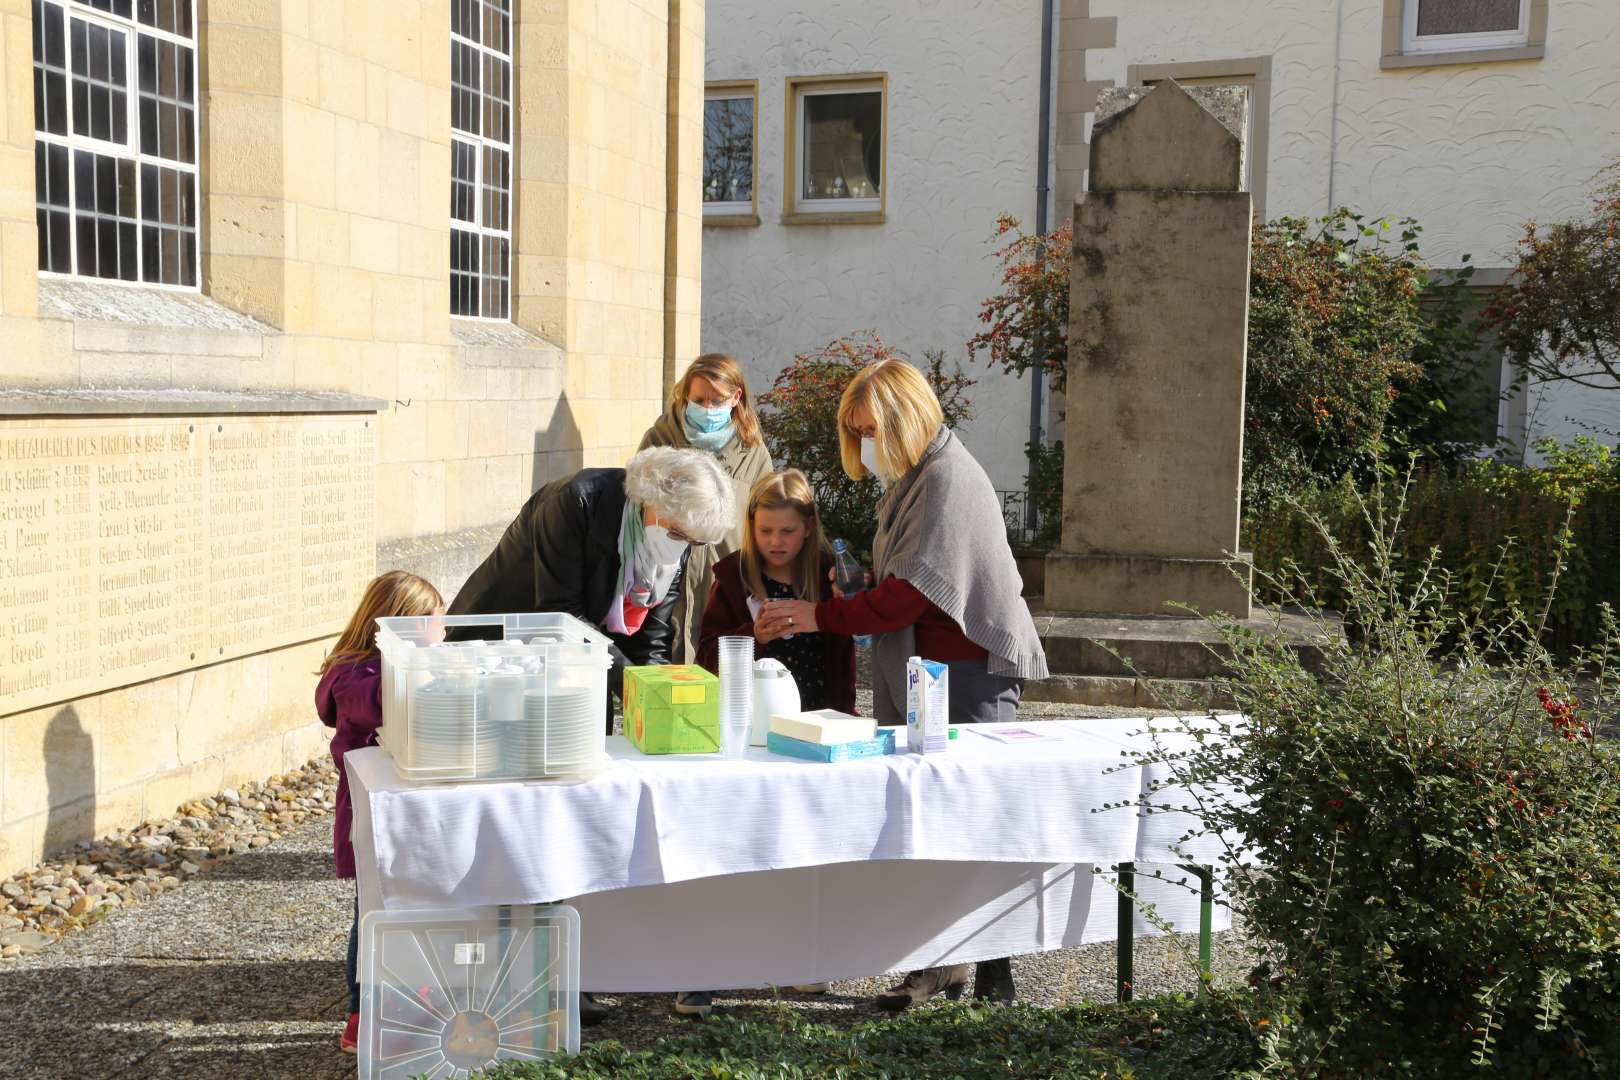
x=736 y=695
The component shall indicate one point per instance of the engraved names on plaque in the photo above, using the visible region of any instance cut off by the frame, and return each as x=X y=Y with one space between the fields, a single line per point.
x=131 y=549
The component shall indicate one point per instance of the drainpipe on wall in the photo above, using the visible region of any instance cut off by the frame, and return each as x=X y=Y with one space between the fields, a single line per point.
x=1043 y=195
x=1333 y=107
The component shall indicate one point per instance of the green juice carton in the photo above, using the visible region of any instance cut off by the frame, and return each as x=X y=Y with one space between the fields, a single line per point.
x=928 y=716
x=672 y=709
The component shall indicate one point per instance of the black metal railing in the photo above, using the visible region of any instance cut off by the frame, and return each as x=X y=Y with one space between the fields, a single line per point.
x=1028 y=524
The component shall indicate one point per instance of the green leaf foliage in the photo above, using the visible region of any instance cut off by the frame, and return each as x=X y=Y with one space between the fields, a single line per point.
x=1151 y=1040
x=1495 y=528
x=1428 y=818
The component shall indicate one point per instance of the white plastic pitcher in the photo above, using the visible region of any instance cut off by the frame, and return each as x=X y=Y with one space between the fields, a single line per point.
x=775 y=694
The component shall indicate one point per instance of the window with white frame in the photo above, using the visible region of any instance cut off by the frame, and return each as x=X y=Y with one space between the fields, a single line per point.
x=837 y=146
x=481 y=158
x=729 y=125
x=115 y=139
x=1457 y=25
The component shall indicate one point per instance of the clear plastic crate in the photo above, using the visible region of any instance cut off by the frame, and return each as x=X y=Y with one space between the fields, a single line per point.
x=446 y=993
x=528 y=703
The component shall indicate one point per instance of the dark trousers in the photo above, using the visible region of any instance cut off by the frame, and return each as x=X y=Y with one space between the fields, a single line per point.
x=351 y=963
x=978 y=697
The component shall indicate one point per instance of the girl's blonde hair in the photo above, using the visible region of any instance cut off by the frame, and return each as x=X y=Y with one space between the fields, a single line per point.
x=397 y=592
x=904 y=408
x=723 y=370
x=784 y=490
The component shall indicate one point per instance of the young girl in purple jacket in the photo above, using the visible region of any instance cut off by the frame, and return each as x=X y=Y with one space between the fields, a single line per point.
x=347 y=699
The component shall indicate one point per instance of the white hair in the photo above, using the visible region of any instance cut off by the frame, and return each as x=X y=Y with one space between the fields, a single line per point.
x=688 y=487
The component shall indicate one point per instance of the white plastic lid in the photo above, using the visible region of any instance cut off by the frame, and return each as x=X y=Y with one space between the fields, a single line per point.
x=444 y=993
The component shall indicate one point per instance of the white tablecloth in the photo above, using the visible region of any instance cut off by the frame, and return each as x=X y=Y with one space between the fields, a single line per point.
x=691 y=872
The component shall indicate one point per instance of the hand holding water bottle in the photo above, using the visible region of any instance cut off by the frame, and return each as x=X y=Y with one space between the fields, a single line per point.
x=849 y=578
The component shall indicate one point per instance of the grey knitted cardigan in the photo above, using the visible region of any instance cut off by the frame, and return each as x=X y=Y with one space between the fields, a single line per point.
x=940 y=528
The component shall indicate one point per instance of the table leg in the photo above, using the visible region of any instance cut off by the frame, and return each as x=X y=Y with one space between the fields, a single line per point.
x=1126 y=943
x=1206 y=916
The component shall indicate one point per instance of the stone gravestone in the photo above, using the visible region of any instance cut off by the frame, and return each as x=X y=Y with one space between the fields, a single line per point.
x=1157 y=337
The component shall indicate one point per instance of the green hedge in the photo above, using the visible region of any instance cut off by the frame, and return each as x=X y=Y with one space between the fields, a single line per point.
x=1158 y=1039
x=1497 y=528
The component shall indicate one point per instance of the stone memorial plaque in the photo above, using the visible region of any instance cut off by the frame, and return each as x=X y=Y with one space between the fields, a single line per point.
x=135 y=548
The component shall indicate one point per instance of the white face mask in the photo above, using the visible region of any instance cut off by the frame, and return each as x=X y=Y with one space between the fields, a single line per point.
x=869 y=457
x=664 y=548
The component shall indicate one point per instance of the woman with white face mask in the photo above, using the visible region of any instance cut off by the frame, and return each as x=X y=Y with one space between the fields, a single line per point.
x=608 y=546
x=947 y=589
x=710 y=410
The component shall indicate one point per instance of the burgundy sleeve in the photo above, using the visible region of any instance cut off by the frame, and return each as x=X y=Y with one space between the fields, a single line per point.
x=893 y=605
x=720 y=619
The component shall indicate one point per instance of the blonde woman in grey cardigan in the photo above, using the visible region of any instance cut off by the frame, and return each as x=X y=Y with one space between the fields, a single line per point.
x=947 y=589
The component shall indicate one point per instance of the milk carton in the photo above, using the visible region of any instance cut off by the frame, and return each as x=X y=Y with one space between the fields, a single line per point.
x=927 y=706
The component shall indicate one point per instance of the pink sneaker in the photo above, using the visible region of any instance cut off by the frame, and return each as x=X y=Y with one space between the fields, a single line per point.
x=351 y=1034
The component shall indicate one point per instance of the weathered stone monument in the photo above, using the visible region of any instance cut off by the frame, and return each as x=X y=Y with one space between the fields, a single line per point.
x=1157 y=335
x=1154 y=444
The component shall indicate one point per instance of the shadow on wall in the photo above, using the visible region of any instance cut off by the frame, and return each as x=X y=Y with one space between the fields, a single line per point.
x=70 y=781
x=559 y=449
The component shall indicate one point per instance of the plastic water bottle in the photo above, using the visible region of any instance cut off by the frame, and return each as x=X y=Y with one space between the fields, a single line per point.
x=851 y=577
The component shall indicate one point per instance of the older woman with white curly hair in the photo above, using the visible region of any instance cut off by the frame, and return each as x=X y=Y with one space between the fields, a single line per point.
x=608 y=546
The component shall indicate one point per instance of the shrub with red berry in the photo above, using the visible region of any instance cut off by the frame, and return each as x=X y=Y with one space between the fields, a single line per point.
x=1434 y=811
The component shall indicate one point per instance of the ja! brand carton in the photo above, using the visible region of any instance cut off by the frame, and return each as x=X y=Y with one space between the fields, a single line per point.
x=928 y=717
x=672 y=709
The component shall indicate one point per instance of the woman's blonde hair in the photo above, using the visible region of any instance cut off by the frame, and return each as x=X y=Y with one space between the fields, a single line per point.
x=394 y=593
x=904 y=408
x=723 y=370
x=784 y=490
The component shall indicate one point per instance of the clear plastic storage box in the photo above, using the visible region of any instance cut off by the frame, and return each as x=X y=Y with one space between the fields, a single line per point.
x=446 y=993
x=528 y=704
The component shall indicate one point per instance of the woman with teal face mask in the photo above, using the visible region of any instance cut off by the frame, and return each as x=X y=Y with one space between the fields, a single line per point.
x=710 y=409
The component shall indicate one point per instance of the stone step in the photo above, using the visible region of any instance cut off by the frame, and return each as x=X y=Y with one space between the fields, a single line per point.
x=1127 y=692
x=1159 y=646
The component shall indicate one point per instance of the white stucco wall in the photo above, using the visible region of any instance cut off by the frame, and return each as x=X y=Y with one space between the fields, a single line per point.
x=962 y=118
x=1471 y=151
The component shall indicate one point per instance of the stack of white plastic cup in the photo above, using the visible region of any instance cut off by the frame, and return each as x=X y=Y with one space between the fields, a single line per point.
x=736 y=695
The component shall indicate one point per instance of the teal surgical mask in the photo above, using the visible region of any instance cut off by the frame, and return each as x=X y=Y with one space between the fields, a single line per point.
x=708 y=421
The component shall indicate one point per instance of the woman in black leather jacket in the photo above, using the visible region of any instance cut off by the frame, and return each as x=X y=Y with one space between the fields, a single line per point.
x=607 y=546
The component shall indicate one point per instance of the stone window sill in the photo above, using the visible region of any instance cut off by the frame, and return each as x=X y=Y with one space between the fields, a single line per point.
x=91 y=301
x=730 y=221
x=91 y=402
x=863 y=217
x=490 y=343
x=1462 y=56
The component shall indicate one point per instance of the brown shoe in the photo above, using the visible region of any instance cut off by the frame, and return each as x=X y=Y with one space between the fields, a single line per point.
x=923 y=984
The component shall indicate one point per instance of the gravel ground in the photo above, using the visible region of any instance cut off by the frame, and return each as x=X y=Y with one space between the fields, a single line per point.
x=239 y=971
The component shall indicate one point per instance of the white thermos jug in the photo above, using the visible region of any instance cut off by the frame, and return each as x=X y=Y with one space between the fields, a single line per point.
x=775 y=694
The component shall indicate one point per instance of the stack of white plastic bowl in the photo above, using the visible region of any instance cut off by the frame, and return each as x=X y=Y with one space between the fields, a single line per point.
x=450 y=726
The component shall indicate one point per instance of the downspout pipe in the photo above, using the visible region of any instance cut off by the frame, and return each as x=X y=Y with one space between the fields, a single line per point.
x=1043 y=196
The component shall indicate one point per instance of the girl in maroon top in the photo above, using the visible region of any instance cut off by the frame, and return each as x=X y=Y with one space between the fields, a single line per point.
x=783 y=557
x=347 y=700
